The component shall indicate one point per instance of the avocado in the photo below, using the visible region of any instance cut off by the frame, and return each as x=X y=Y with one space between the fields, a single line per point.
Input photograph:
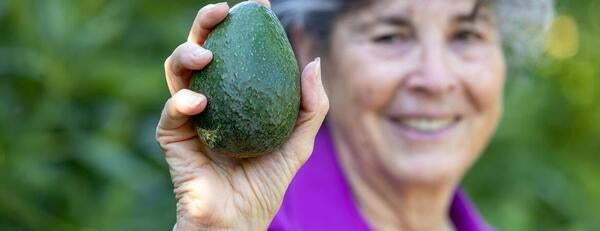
x=252 y=84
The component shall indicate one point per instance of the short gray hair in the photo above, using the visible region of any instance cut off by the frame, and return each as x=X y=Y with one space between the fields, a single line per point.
x=523 y=23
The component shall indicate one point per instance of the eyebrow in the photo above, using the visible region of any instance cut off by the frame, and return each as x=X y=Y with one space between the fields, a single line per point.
x=468 y=18
x=464 y=18
x=395 y=20
x=472 y=16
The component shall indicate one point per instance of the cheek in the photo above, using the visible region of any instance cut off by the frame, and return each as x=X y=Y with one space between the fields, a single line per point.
x=483 y=79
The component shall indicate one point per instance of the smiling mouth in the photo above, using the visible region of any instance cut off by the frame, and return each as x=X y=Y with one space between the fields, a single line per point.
x=426 y=127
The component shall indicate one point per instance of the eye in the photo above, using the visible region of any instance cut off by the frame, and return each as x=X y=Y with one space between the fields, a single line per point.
x=388 y=38
x=391 y=38
x=467 y=36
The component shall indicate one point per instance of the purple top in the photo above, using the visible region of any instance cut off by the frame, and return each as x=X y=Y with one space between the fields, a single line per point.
x=319 y=198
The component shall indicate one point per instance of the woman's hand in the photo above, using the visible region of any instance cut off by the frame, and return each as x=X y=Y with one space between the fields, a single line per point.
x=218 y=193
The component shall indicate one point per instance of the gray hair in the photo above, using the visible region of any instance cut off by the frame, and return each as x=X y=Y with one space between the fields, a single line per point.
x=523 y=23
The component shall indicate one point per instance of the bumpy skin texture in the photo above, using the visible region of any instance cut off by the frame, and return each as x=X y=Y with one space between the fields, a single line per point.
x=252 y=84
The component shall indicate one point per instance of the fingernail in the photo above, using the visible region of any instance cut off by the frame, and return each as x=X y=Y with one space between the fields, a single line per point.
x=200 y=52
x=210 y=6
x=193 y=99
x=318 y=68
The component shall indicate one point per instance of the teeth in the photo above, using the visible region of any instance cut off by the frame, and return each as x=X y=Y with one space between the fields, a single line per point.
x=427 y=124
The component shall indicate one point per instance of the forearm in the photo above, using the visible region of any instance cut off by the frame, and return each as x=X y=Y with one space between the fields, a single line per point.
x=242 y=224
x=184 y=225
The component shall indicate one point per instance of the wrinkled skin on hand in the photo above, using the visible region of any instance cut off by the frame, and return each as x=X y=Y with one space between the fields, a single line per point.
x=214 y=192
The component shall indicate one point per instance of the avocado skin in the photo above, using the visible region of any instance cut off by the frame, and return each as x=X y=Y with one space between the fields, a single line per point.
x=252 y=84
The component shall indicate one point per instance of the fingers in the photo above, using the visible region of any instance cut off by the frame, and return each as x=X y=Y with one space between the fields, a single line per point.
x=207 y=18
x=314 y=108
x=179 y=66
x=179 y=108
x=191 y=56
x=177 y=136
x=315 y=103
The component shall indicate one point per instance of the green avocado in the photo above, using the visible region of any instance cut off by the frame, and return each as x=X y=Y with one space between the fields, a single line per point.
x=252 y=84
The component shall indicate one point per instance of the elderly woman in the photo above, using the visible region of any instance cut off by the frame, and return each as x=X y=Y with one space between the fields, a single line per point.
x=414 y=93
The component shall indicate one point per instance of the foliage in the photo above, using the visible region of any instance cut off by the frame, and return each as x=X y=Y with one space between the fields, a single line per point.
x=82 y=86
x=539 y=172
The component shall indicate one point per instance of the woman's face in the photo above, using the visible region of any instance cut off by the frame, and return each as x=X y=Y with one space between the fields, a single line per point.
x=415 y=86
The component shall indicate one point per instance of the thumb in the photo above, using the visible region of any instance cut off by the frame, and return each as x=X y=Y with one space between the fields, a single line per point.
x=314 y=107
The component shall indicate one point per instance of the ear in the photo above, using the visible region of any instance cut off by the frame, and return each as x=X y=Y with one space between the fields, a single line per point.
x=304 y=46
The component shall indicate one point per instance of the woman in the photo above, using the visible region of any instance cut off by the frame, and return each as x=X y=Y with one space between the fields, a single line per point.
x=415 y=93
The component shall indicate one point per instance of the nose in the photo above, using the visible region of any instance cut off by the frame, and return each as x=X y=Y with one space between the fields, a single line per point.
x=433 y=74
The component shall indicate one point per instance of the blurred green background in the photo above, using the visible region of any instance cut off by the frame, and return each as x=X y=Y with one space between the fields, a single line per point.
x=82 y=86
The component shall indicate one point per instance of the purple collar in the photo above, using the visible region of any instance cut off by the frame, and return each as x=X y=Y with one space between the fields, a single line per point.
x=319 y=198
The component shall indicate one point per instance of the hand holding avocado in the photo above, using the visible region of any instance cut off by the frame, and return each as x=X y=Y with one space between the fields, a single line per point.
x=215 y=191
